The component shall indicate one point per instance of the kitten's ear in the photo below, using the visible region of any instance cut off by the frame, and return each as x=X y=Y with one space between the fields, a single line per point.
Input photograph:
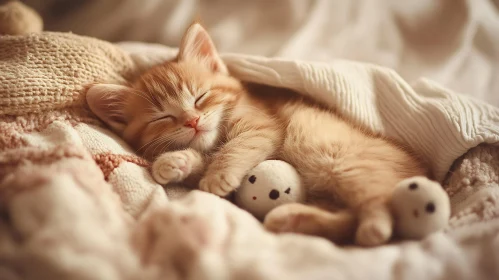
x=197 y=43
x=107 y=102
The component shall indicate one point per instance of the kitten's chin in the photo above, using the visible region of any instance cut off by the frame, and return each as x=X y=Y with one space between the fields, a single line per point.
x=204 y=141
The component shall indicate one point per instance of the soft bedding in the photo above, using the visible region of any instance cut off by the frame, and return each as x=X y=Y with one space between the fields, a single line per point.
x=452 y=42
x=77 y=203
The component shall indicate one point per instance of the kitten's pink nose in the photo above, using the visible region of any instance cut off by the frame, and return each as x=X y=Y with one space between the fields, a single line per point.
x=192 y=123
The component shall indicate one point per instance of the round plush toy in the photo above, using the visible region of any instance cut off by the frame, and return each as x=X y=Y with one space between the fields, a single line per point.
x=420 y=207
x=268 y=185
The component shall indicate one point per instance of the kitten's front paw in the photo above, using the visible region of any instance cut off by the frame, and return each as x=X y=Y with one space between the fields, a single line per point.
x=220 y=184
x=172 y=167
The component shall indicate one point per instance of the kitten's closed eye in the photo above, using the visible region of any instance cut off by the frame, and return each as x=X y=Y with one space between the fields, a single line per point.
x=164 y=118
x=201 y=98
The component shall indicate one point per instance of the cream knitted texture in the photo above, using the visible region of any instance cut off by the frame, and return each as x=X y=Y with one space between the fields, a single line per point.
x=54 y=68
x=474 y=175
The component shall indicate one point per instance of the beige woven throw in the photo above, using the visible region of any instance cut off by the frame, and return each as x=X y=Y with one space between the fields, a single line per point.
x=46 y=72
x=77 y=203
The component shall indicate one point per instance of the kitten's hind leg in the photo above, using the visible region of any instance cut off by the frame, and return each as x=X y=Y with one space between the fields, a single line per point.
x=368 y=195
x=338 y=227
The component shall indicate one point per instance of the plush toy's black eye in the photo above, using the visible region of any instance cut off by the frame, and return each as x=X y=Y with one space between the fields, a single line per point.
x=287 y=191
x=274 y=194
x=430 y=207
x=415 y=213
x=252 y=179
x=413 y=186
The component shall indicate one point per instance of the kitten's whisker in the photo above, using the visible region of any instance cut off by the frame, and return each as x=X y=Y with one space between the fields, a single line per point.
x=152 y=141
x=148 y=144
x=158 y=141
x=166 y=144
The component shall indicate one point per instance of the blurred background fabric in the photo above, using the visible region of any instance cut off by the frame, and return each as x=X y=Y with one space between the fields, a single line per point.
x=453 y=42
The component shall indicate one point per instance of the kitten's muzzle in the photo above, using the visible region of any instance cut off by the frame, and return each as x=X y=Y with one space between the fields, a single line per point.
x=193 y=123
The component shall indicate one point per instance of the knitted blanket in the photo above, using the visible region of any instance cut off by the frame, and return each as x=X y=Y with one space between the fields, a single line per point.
x=77 y=203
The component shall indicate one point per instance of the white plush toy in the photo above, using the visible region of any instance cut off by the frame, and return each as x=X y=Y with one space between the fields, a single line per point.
x=420 y=207
x=268 y=185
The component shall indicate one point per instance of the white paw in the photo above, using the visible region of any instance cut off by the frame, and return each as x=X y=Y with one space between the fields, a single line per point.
x=220 y=184
x=373 y=232
x=172 y=167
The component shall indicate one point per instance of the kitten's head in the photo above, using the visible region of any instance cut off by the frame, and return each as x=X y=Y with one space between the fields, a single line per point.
x=179 y=104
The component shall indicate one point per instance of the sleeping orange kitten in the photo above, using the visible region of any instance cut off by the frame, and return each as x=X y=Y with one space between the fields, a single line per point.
x=204 y=127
